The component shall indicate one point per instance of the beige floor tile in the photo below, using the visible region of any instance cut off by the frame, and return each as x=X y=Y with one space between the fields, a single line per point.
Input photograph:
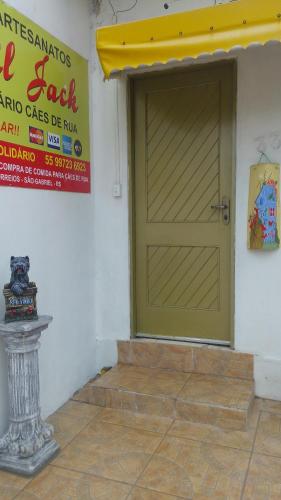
x=264 y=479
x=60 y=484
x=223 y=391
x=142 y=403
x=269 y=405
x=110 y=451
x=143 y=494
x=226 y=418
x=144 y=380
x=211 y=434
x=79 y=410
x=195 y=470
x=10 y=485
x=242 y=440
x=223 y=362
x=97 y=395
x=83 y=394
x=66 y=427
x=124 y=352
x=268 y=439
x=135 y=420
x=156 y=354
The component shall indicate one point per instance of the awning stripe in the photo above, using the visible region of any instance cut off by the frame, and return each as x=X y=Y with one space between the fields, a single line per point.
x=188 y=34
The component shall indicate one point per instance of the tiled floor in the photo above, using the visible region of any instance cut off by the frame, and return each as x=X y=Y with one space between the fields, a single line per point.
x=116 y=455
x=144 y=380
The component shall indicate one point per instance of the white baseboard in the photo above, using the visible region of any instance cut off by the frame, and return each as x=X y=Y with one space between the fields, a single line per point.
x=267 y=372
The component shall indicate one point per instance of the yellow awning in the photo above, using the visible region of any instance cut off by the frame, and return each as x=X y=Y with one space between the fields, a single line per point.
x=188 y=34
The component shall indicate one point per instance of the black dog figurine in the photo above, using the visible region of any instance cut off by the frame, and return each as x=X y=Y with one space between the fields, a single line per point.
x=19 y=278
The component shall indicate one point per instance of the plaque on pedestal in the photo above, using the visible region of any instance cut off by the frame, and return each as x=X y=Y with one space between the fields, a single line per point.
x=22 y=307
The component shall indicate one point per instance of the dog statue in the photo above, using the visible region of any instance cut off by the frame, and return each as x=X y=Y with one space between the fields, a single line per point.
x=20 y=293
x=19 y=281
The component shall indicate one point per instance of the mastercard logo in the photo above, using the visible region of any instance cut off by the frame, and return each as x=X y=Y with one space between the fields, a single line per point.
x=36 y=136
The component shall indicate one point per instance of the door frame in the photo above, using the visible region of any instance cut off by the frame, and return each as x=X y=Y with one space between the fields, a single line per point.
x=232 y=63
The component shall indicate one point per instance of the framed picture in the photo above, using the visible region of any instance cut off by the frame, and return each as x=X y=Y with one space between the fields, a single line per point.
x=264 y=207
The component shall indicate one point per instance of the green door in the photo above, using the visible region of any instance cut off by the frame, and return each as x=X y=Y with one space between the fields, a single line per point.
x=184 y=126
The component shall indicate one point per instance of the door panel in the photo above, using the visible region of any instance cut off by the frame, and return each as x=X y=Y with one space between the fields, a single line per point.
x=183 y=167
x=187 y=277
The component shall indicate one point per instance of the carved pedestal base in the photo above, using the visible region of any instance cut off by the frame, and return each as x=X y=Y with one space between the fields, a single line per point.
x=28 y=444
x=32 y=465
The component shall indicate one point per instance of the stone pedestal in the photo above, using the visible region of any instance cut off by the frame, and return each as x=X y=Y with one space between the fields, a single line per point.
x=28 y=444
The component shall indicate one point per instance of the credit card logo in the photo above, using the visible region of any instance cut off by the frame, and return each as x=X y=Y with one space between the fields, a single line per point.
x=67 y=144
x=36 y=136
x=53 y=141
x=78 y=148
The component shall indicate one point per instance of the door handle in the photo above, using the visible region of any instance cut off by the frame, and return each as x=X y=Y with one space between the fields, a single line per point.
x=220 y=206
x=225 y=207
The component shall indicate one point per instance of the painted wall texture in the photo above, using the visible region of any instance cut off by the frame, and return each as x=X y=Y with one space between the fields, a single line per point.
x=56 y=231
x=257 y=295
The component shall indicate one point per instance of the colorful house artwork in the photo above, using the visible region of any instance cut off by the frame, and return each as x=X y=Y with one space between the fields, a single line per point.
x=263 y=222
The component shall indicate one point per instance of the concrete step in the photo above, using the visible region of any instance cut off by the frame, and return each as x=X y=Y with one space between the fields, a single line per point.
x=186 y=357
x=197 y=397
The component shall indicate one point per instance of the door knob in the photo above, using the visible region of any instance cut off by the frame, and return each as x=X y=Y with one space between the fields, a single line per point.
x=220 y=206
x=225 y=207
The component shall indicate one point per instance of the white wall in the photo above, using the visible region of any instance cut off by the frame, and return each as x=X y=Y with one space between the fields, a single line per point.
x=56 y=231
x=258 y=275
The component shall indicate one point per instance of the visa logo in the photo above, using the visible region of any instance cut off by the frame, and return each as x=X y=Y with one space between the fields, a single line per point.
x=53 y=141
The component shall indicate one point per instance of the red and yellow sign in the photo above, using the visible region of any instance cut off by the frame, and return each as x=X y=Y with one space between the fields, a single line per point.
x=44 y=110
